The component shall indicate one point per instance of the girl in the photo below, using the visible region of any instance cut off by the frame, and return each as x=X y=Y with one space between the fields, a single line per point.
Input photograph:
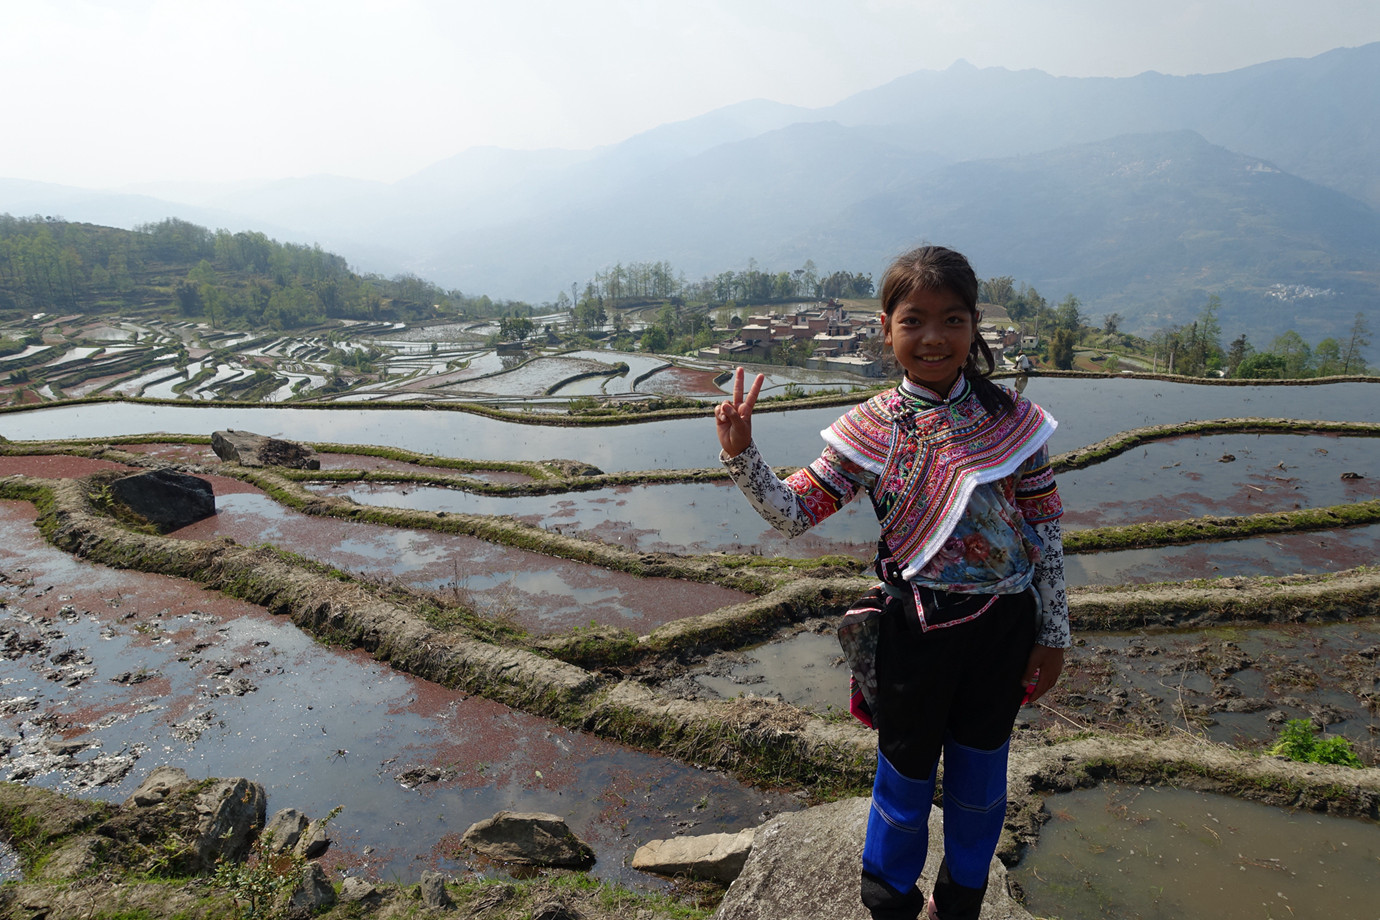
x=970 y=617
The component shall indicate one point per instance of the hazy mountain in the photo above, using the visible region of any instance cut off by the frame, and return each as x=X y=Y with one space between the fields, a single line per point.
x=1139 y=194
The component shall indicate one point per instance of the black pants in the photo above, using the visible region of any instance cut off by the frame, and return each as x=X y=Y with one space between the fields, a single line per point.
x=957 y=684
x=961 y=682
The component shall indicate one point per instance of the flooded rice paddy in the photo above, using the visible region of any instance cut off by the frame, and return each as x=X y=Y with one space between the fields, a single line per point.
x=113 y=672
x=1148 y=853
x=539 y=593
x=107 y=673
x=1234 y=685
x=1088 y=411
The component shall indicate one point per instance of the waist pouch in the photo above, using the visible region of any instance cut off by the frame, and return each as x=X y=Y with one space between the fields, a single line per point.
x=921 y=608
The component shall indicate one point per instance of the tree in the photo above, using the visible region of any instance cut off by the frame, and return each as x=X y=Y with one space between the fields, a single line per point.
x=1262 y=366
x=654 y=339
x=1068 y=315
x=1239 y=351
x=1359 y=340
x=1298 y=357
x=1061 y=349
x=998 y=290
x=1327 y=358
x=1111 y=323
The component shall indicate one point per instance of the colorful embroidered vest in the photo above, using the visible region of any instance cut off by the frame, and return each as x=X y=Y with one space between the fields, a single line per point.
x=929 y=458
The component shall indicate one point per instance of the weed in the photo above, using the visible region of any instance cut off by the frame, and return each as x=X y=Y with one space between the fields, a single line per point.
x=1298 y=741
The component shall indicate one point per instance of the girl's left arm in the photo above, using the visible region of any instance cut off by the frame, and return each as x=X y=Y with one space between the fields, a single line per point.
x=1037 y=497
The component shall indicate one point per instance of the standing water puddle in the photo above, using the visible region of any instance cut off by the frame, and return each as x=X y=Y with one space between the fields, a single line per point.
x=539 y=593
x=1232 y=685
x=1127 y=853
x=106 y=674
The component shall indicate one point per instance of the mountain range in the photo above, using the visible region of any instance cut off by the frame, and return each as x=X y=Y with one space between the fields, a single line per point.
x=1141 y=195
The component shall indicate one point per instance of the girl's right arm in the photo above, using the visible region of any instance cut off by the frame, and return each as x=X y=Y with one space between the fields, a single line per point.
x=733 y=418
x=792 y=505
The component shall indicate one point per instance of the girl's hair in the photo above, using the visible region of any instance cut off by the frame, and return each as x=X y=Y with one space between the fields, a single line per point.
x=935 y=268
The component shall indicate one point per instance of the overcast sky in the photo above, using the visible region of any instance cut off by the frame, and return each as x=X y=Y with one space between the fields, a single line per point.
x=112 y=92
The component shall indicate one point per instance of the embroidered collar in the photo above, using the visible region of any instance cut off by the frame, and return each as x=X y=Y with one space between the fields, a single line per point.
x=915 y=392
x=929 y=456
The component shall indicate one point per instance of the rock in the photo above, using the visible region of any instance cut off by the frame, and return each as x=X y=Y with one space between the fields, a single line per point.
x=355 y=888
x=248 y=449
x=1352 y=475
x=314 y=841
x=717 y=857
x=572 y=469
x=807 y=864
x=157 y=785
x=215 y=818
x=313 y=893
x=77 y=857
x=232 y=813
x=529 y=839
x=434 y=891
x=286 y=827
x=166 y=499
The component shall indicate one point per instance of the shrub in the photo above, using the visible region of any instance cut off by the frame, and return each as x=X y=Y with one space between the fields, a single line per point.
x=1297 y=741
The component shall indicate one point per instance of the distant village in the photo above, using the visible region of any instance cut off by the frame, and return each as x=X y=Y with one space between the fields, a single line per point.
x=838 y=336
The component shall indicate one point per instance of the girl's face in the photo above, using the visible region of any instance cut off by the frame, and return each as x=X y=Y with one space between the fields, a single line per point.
x=931 y=333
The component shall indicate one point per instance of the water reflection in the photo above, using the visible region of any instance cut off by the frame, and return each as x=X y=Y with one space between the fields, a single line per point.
x=1159 y=854
x=224 y=689
x=539 y=593
x=1088 y=410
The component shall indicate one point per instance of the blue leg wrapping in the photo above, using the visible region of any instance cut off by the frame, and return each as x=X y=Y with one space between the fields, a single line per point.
x=898 y=832
x=974 y=809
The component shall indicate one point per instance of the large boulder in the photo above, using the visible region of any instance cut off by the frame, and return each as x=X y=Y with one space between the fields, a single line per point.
x=533 y=839
x=807 y=865
x=312 y=894
x=248 y=449
x=167 y=499
x=214 y=819
x=717 y=857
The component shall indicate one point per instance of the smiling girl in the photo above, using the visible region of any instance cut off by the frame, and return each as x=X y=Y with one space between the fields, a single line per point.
x=970 y=618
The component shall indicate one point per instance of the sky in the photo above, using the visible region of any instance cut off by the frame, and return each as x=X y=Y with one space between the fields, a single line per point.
x=112 y=94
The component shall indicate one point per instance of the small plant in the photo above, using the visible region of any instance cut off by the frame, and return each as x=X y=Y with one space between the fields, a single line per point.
x=1298 y=741
x=258 y=883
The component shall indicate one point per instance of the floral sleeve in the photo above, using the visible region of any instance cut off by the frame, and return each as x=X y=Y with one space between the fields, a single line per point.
x=800 y=501
x=1049 y=584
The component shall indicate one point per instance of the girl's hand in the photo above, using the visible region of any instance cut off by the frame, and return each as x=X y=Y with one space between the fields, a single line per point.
x=1042 y=670
x=733 y=418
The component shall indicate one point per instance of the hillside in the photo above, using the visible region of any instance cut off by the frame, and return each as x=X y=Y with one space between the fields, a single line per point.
x=1271 y=177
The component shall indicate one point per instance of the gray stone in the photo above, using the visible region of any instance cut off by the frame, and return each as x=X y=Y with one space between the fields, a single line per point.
x=286 y=827
x=165 y=498
x=231 y=815
x=313 y=893
x=156 y=786
x=434 y=892
x=529 y=839
x=717 y=857
x=807 y=865
x=77 y=857
x=355 y=888
x=248 y=449
x=314 y=841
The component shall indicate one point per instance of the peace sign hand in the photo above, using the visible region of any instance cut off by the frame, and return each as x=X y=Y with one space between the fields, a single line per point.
x=733 y=418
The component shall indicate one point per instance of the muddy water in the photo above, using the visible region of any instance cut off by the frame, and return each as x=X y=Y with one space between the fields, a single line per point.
x=1088 y=411
x=1222 y=475
x=712 y=517
x=1157 y=854
x=1275 y=554
x=1232 y=685
x=539 y=593
x=106 y=674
